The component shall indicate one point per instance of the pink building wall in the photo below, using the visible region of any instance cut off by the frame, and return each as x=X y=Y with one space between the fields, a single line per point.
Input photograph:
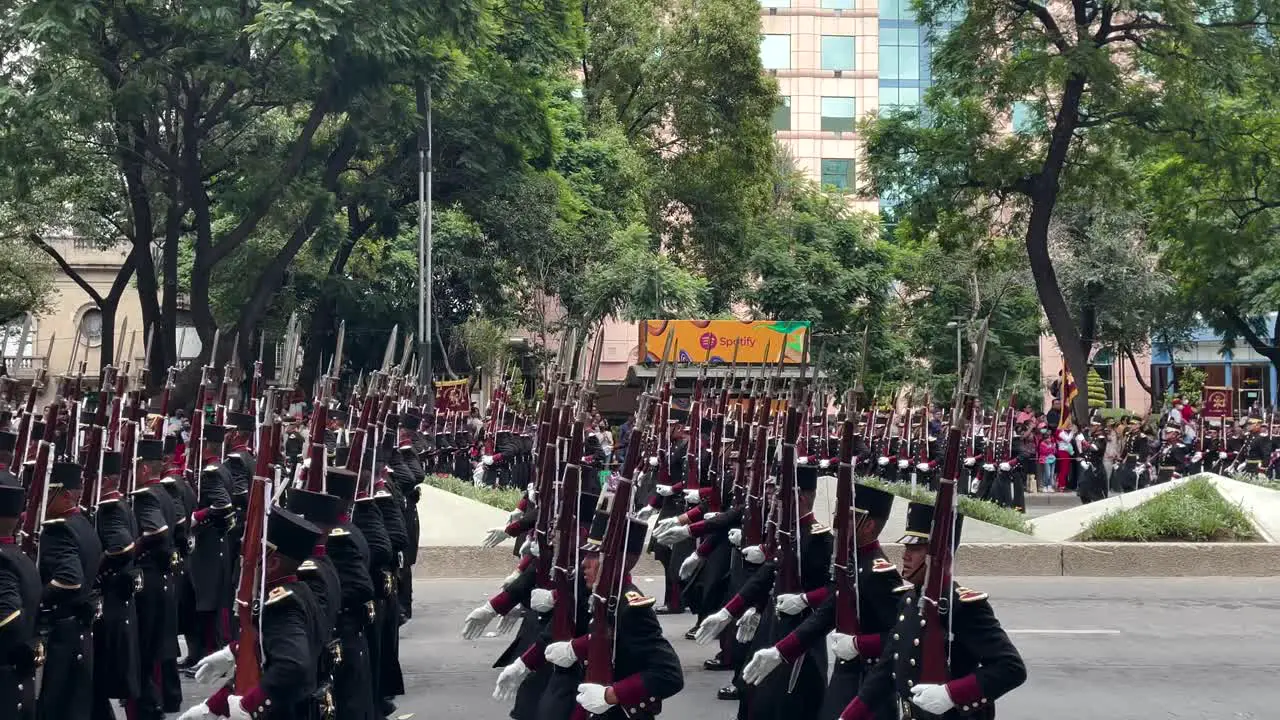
x=1136 y=398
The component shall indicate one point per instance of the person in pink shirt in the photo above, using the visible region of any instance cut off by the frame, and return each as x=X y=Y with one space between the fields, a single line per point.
x=1045 y=459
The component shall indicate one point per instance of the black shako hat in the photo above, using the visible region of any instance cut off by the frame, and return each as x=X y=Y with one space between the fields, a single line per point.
x=807 y=478
x=243 y=422
x=66 y=475
x=341 y=483
x=587 y=503
x=150 y=450
x=873 y=501
x=291 y=535
x=637 y=531
x=215 y=433
x=12 y=500
x=920 y=524
x=8 y=441
x=8 y=479
x=111 y=463
x=170 y=445
x=410 y=422
x=341 y=455
x=318 y=508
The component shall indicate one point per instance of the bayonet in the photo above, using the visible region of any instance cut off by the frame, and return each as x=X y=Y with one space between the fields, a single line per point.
x=337 y=352
x=389 y=353
x=124 y=330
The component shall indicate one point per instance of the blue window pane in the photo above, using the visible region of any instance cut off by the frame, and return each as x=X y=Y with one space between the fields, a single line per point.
x=909 y=62
x=838 y=52
x=837 y=4
x=775 y=52
x=888 y=97
x=838 y=114
x=838 y=174
x=909 y=96
x=888 y=61
x=782 y=114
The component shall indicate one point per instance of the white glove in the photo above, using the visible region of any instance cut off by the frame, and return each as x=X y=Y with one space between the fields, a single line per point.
x=1005 y=467
x=1084 y=465
x=664 y=525
x=791 y=603
x=494 y=538
x=1222 y=455
x=510 y=621
x=664 y=490
x=237 y=709
x=824 y=463
x=973 y=486
x=1197 y=457
x=214 y=668
x=477 y=475
x=645 y=513
x=712 y=626
x=970 y=461
x=591 y=698
x=541 y=600
x=486 y=460
x=692 y=497
x=560 y=654
x=477 y=621
x=923 y=467
x=529 y=547
x=762 y=663
x=735 y=537
x=509 y=680
x=904 y=464
x=653 y=461
x=988 y=467
x=674 y=535
x=842 y=646
x=747 y=625
x=933 y=699
x=710 y=515
x=753 y=554
x=199 y=712
x=690 y=566
x=882 y=461
x=515 y=515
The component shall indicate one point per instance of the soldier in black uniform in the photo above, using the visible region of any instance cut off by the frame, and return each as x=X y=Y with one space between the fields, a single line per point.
x=318 y=572
x=70 y=554
x=115 y=632
x=1174 y=456
x=156 y=515
x=367 y=516
x=390 y=507
x=407 y=473
x=346 y=545
x=209 y=562
x=876 y=579
x=1252 y=450
x=20 y=589
x=291 y=631
x=983 y=664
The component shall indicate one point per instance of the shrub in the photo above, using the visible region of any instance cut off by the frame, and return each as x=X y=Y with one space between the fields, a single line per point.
x=502 y=498
x=1194 y=512
x=987 y=512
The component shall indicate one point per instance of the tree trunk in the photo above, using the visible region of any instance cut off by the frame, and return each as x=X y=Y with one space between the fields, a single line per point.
x=1044 y=197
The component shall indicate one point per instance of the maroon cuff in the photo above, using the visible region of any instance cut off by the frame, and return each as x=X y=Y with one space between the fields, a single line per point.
x=705 y=492
x=535 y=657
x=254 y=701
x=694 y=514
x=497 y=458
x=579 y=645
x=704 y=549
x=502 y=602
x=523 y=504
x=630 y=690
x=736 y=606
x=698 y=529
x=856 y=710
x=790 y=647
x=655 y=502
x=198 y=516
x=816 y=597
x=677 y=488
x=525 y=562
x=217 y=702
x=869 y=645
x=965 y=691
x=513 y=529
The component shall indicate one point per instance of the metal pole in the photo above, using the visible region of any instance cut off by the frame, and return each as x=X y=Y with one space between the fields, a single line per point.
x=424 y=241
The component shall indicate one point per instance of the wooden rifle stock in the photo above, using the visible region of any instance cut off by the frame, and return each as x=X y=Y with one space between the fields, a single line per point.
x=248 y=662
x=562 y=572
x=38 y=490
x=847 y=600
x=606 y=593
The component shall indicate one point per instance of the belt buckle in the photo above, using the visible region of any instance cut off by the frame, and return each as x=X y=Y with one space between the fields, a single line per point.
x=336 y=652
x=37 y=654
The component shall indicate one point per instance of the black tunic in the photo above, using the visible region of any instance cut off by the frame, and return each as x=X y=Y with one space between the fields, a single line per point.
x=20 y=591
x=156 y=603
x=291 y=630
x=353 y=683
x=322 y=577
x=984 y=664
x=646 y=670
x=209 y=559
x=368 y=518
x=115 y=633
x=69 y=557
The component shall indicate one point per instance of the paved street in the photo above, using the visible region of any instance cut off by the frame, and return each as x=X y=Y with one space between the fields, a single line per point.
x=1178 y=649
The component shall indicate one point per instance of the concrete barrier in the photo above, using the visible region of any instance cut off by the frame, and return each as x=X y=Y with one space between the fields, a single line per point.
x=975 y=559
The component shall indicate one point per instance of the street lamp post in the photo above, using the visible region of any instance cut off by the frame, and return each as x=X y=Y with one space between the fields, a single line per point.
x=958 y=328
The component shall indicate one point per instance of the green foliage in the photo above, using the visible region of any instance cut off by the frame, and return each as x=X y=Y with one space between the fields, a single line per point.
x=501 y=498
x=1097 y=392
x=1194 y=512
x=633 y=281
x=987 y=512
x=1190 y=385
x=26 y=281
x=1256 y=479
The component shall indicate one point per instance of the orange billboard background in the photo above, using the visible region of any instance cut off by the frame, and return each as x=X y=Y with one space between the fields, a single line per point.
x=697 y=341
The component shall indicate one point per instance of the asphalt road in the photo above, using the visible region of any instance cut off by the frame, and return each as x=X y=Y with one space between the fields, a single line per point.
x=1145 y=649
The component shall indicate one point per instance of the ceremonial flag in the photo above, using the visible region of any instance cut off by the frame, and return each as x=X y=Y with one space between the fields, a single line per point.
x=453 y=396
x=1217 y=402
x=1069 y=393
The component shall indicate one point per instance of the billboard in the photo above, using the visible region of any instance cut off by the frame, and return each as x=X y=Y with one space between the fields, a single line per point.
x=713 y=341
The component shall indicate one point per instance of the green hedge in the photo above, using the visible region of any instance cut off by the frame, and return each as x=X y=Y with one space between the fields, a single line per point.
x=1255 y=479
x=987 y=512
x=502 y=498
x=1194 y=512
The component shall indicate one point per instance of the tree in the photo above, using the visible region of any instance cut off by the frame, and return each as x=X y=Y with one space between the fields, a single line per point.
x=1097 y=391
x=1091 y=73
x=26 y=281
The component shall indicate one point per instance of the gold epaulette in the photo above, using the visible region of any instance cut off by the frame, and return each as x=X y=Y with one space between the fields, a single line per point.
x=278 y=594
x=966 y=595
x=881 y=565
x=636 y=600
x=13 y=616
x=818 y=529
x=307 y=566
x=339 y=532
x=904 y=587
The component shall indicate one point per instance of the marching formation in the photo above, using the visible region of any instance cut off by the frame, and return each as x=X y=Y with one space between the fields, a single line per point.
x=277 y=545
x=733 y=485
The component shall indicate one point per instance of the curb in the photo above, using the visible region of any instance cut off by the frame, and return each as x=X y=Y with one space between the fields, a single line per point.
x=974 y=559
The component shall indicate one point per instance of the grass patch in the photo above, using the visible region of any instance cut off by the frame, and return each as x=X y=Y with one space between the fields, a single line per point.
x=1194 y=512
x=1254 y=479
x=501 y=498
x=987 y=512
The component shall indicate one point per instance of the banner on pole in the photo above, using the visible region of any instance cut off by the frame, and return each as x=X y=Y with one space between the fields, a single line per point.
x=453 y=395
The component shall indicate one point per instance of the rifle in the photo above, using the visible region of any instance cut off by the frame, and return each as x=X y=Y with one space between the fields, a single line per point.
x=935 y=599
x=319 y=454
x=606 y=594
x=847 y=599
x=248 y=673
x=38 y=490
x=24 y=425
